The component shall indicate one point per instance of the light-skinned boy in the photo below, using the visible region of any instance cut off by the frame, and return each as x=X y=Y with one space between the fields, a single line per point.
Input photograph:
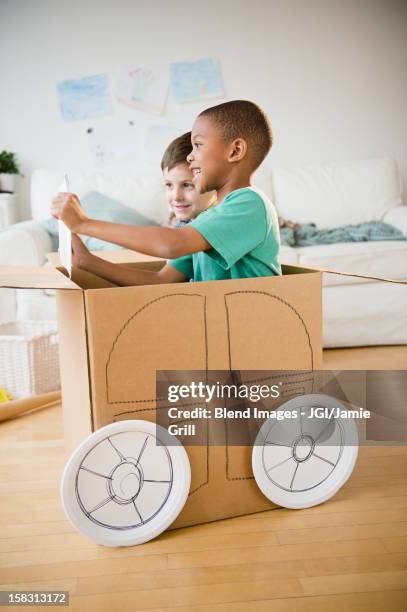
x=184 y=200
x=238 y=238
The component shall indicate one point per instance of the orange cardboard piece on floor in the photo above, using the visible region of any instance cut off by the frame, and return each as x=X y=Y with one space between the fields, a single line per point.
x=114 y=339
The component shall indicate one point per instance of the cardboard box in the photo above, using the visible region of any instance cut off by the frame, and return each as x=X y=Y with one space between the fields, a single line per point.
x=114 y=339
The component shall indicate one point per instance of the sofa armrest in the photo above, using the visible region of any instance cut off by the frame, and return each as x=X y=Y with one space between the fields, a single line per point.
x=397 y=216
x=24 y=244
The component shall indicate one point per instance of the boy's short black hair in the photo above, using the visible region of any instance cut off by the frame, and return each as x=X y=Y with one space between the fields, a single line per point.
x=243 y=119
x=177 y=152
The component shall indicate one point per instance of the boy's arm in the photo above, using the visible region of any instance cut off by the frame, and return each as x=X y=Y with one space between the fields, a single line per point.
x=165 y=242
x=125 y=277
x=122 y=275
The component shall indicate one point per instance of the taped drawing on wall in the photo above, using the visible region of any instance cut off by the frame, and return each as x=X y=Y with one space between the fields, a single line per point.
x=143 y=87
x=194 y=81
x=84 y=98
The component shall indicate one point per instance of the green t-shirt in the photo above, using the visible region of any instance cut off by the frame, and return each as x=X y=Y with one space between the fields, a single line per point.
x=243 y=231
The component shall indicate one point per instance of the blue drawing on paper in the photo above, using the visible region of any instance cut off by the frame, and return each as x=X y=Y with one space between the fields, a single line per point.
x=84 y=98
x=192 y=81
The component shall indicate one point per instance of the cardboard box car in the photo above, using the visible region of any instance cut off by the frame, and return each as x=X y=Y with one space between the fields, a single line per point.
x=114 y=339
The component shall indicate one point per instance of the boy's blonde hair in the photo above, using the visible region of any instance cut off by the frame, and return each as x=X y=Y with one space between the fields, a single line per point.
x=177 y=152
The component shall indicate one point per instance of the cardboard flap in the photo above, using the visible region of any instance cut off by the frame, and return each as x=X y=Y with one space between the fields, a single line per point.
x=87 y=280
x=396 y=281
x=297 y=269
x=20 y=277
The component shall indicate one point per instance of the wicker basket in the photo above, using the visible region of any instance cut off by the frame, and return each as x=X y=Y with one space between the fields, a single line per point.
x=29 y=363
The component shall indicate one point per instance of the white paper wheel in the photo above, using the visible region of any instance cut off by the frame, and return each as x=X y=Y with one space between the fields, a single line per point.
x=301 y=462
x=126 y=483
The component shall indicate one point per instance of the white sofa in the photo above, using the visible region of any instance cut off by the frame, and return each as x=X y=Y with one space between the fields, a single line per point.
x=357 y=312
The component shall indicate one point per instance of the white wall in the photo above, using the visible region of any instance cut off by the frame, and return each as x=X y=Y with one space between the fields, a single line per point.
x=331 y=73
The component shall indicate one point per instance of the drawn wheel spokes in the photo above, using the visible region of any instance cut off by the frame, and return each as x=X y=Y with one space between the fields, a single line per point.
x=300 y=450
x=301 y=462
x=125 y=481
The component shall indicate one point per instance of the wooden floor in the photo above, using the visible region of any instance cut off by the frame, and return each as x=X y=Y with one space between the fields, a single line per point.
x=348 y=553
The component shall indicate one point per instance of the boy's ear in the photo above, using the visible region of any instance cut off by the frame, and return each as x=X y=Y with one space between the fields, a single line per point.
x=237 y=150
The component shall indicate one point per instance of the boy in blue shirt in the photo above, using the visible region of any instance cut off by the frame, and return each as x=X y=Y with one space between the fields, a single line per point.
x=239 y=238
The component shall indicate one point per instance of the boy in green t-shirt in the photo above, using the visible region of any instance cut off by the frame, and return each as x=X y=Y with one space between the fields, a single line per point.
x=239 y=238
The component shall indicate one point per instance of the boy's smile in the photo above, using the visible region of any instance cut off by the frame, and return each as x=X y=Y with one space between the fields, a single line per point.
x=208 y=156
x=182 y=195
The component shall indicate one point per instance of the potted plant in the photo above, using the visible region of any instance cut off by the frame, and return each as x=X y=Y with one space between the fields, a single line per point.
x=9 y=168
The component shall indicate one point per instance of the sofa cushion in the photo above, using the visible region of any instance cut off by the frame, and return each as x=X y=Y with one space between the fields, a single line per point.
x=367 y=315
x=337 y=194
x=98 y=206
x=380 y=259
x=137 y=187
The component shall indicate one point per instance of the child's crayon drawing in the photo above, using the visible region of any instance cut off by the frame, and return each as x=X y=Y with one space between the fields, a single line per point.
x=85 y=98
x=193 y=81
x=144 y=88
